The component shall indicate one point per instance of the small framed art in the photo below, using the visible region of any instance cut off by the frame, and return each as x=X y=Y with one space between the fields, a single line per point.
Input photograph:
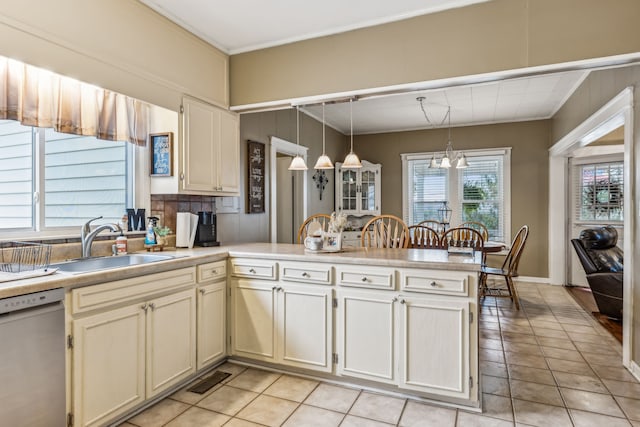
x=160 y=149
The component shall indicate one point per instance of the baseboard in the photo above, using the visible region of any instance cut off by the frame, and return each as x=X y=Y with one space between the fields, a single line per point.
x=530 y=279
x=635 y=370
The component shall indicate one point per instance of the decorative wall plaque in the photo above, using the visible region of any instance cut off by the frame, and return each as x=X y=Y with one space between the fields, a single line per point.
x=256 y=177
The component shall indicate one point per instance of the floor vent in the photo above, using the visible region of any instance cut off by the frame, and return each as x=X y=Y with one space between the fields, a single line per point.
x=204 y=385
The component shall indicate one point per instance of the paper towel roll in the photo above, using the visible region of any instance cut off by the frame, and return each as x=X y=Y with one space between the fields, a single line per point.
x=186 y=226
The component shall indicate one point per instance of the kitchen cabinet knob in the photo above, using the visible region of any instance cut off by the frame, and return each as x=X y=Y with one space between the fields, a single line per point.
x=214 y=271
x=152 y=306
x=279 y=288
x=394 y=299
x=181 y=177
x=144 y=307
x=305 y=274
x=252 y=271
x=402 y=301
x=364 y=279
x=274 y=288
x=202 y=291
x=433 y=284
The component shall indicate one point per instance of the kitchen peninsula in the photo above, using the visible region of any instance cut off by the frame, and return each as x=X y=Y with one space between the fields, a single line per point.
x=402 y=320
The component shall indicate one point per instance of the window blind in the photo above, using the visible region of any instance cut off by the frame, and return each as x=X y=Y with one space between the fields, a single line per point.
x=599 y=192
x=16 y=172
x=429 y=189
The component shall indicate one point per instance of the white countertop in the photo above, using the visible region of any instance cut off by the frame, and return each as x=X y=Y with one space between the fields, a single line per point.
x=402 y=258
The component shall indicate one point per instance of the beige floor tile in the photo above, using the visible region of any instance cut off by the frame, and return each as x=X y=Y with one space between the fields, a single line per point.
x=254 y=380
x=580 y=329
x=518 y=347
x=560 y=353
x=539 y=414
x=580 y=368
x=483 y=324
x=494 y=369
x=536 y=375
x=160 y=413
x=588 y=338
x=556 y=343
x=291 y=388
x=598 y=348
x=491 y=344
x=353 y=421
x=491 y=355
x=631 y=407
x=267 y=410
x=550 y=333
x=311 y=416
x=535 y=392
x=417 y=414
x=623 y=388
x=191 y=398
x=497 y=407
x=237 y=422
x=378 y=407
x=546 y=324
x=613 y=373
x=580 y=382
x=521 y=338
x=589 y=419
x=517 y=329
x=333 y=397
x=231 y=368
x=468 y=419
x=606 y=359
x=495 y=385
x=591 y=402
x=530 y=360
x=227 y=400
x=489 y=334
x=125 y=424
x=195 y=416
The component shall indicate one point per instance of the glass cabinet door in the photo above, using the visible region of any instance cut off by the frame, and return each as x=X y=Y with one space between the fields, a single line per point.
x=349 y=190
x=368 y=191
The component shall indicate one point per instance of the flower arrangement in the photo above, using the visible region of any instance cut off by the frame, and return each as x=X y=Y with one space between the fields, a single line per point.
x=338 y=222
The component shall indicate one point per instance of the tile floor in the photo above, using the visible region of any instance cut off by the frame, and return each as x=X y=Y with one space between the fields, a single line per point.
x=549 y=364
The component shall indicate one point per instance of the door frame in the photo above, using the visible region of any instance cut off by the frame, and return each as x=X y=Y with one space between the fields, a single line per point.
x=279 y=145
x=618 y=111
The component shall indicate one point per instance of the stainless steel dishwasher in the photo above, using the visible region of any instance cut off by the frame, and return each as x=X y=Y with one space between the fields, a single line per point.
x=32 y=366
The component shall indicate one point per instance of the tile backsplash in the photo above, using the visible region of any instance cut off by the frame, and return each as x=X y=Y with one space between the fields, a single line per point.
x=166 y=206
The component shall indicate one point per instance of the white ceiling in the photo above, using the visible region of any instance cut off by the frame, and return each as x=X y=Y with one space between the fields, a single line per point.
x=245 y=25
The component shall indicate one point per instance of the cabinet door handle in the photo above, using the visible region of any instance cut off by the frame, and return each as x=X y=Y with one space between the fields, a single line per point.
x=214 y=271
x=394 y=299
x=182 y=177
x=402 y=301
x=144 y=307
x=202 y=291
x=279 y=289
x=152 y=306
x=274 y=288
x=364 y=279
x=433 y=284
x=252 y=271
x=305 y=274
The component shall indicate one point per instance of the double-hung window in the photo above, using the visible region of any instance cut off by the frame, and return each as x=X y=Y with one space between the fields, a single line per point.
x=50 y=180
x=480 y=192
x=599 y=191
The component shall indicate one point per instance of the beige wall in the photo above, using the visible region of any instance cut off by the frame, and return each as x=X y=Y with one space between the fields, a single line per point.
x=529 y=173
x=260 y=127
x=493 y=36
x=117 y=44
x=598 y=89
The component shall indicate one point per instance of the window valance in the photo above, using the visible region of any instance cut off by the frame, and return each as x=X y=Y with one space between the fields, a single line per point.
x=37 y=97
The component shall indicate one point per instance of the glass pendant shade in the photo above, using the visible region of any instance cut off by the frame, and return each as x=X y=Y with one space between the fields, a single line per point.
x=433 y=164
x=297 y=164
x=352 y=161
x=462 y=162
x=445 y=163
x=324 y=162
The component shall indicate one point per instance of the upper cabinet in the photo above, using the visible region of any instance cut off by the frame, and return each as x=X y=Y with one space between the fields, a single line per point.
x=210 y=152
x=358 y=190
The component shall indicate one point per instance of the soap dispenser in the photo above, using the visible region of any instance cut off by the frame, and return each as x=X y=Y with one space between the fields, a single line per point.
x=150 y=237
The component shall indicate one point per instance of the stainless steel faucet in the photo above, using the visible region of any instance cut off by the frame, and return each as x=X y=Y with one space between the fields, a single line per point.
x=87 y=236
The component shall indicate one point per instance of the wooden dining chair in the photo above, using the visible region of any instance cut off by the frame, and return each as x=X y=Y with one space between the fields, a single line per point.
x=477 y=226
x=509 y=270
x=463 y=237
x=385 y=231
x=432 y=223
x=321 y=219
x=422 y=237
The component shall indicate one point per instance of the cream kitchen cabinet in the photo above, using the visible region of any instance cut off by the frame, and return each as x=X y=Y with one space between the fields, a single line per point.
x=212 y=313
x=209 y=150
x=358 y=190
x=281 y=322
x=131 y=340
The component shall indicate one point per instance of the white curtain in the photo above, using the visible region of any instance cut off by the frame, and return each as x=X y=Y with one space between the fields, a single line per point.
x=37 y=97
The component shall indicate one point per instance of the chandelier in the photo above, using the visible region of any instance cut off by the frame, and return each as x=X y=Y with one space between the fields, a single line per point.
x=450 y=157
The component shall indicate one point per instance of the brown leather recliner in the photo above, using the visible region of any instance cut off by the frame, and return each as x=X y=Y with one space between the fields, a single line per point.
x=602 y=261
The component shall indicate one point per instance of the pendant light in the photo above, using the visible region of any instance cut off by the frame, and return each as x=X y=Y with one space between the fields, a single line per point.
x=450 y=156
x=324 y=162
x=351 y=161
x=297 y=163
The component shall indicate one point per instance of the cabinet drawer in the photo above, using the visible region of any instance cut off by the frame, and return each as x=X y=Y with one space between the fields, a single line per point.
x=435 y=281
x=306 y=273
x=211 y=271
x=137 y=288
x=254 y=268
x=366 y=277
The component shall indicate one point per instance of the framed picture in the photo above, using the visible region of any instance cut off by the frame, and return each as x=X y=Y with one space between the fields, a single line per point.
x=331 y=241
x=160 y=149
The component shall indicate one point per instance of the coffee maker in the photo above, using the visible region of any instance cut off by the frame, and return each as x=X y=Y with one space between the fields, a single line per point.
x=206 y=233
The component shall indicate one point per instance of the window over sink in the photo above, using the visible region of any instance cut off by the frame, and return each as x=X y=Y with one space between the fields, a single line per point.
x=50 y=180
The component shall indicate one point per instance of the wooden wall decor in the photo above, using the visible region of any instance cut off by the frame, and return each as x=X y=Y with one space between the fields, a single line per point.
x=255 y=193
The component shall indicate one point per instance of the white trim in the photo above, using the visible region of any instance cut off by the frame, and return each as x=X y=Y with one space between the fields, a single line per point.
x=279 y=145
x=523 y=280
x=634 y=369
x=594 y=154
x=618 y=111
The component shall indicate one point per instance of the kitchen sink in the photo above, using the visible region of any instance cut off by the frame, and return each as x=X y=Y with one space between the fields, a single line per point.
x=84 y=265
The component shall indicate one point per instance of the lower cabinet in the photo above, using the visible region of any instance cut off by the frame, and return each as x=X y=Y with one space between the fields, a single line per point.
x=212 y=313
x=282 y=323
x=418 y=343
x=124 y=355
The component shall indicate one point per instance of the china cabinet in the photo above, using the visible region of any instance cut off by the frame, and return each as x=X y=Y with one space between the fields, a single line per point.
x=358 y=190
